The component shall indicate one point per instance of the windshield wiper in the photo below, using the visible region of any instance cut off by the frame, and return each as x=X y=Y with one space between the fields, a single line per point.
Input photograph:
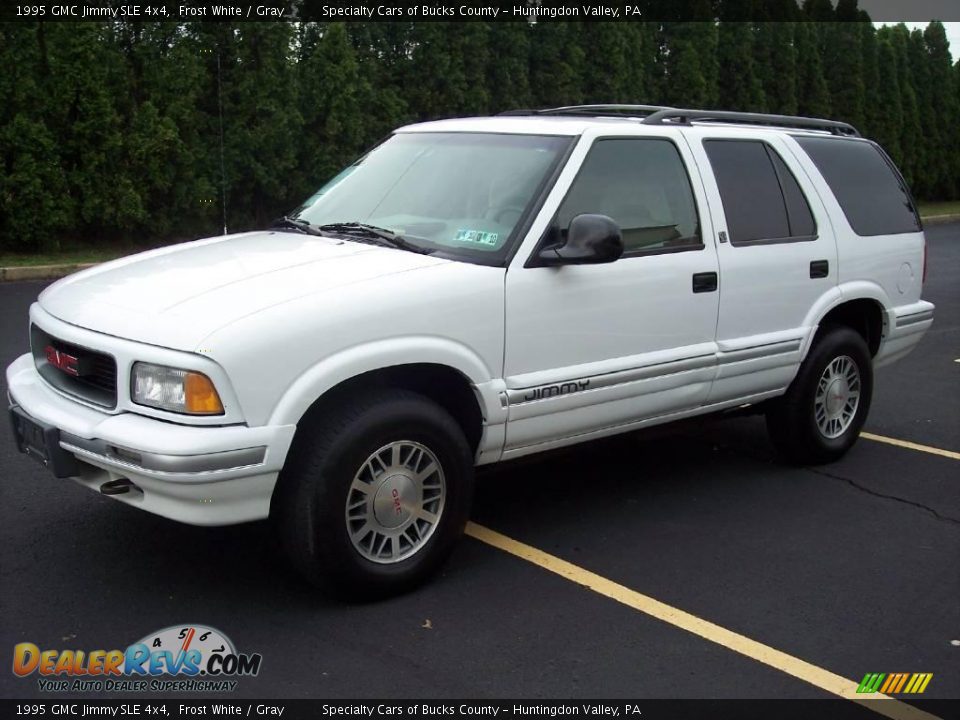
x=297 y=224
x=388 y=237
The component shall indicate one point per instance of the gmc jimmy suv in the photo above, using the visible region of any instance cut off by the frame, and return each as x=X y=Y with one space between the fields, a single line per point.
x=470 y=291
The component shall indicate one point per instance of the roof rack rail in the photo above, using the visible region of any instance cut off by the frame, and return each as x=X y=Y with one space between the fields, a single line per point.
x=663 y=115
x=685 y=117
x=593 y=110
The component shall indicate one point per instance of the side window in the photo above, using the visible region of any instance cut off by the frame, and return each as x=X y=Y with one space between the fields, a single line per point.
x=799 y=216
x=642 y=184
x=869 y=189
x=761 y=197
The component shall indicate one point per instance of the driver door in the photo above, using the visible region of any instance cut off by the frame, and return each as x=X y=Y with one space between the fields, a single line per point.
x=594 y=349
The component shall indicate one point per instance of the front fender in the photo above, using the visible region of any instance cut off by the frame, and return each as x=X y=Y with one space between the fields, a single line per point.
x=378 y=355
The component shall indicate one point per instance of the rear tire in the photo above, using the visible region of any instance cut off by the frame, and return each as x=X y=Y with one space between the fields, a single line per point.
x=375 y=494
x=820 y=416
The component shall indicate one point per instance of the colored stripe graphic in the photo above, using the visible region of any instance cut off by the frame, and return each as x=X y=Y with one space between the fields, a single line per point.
x=918 y=683
x=871 y=682
x=912 y=683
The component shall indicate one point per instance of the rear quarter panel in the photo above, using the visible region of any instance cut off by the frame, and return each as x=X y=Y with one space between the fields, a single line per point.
x=886 y=268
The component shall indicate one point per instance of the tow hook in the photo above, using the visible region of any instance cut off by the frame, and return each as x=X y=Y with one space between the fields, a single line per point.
x=116 y=487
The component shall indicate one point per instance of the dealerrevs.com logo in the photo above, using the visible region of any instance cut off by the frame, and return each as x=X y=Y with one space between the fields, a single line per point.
x=192 y=658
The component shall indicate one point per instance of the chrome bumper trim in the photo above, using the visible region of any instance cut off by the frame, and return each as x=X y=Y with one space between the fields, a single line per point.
x=906 y=320
x=101 y=451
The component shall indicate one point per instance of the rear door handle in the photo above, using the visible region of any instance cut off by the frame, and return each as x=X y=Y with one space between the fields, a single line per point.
x=704 y=282
x=819 y=268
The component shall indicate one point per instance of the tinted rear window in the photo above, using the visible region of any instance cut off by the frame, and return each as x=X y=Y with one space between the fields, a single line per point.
x=761 y=199
x=798 y=211
x=869 y=190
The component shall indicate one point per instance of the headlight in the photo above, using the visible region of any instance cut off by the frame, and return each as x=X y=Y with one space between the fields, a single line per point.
x=179 y=391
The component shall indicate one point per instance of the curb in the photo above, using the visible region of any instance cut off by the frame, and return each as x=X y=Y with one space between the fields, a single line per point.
x=40 y=272
x=940 y=219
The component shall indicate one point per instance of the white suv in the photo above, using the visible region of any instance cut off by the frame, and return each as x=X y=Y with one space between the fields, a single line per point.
x=471 y=291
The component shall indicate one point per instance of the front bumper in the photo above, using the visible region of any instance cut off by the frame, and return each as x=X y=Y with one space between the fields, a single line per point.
x=200 y=475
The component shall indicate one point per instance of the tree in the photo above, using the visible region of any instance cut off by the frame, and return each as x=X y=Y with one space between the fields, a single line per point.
x=925 y=150
x=874 y=114
x=687 y=53
x=843 y=54
x=642 y=54
x=383 y=51
x=112 y=130
x=607 y=75
x=471 y=41
x=889 y=119
x=332 y=97
x=36 y=207
x=447 y=69
x=556 y=64
x=262 y=126
x=82 y=114
x=777 y=65
x=819 y=11
x=739 y=87
x=943 y=124
x=813 y=96
x=911 y=138
x=171 y=165
x=508 y=75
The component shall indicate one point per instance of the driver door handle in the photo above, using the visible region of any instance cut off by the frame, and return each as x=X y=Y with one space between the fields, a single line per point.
x=704 y=282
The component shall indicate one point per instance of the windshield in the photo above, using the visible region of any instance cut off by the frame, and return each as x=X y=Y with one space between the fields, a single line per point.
x=461 y=195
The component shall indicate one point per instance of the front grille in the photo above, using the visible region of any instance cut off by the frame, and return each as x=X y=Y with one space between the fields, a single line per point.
x=84 y=373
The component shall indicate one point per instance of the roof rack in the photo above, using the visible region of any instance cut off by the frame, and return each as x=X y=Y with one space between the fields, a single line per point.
x=594 y=110
x=684 y=117
x=662 y=115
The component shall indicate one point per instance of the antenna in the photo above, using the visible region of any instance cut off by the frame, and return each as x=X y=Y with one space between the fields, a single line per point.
x=223 y=170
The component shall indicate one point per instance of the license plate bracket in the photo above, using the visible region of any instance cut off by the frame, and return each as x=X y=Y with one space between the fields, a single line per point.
x=42 y=442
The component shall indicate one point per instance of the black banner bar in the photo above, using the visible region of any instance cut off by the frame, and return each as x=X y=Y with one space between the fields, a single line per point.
x=835 y=709
x=430 y=11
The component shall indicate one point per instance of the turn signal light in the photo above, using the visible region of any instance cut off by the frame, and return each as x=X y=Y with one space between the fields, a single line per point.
x=201 y=397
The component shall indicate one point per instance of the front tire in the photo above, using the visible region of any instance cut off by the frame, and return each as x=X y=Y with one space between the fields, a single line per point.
x=823 y=411
x=375 y=494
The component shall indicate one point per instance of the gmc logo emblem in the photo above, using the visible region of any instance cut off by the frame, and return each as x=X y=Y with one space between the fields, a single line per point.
x=62 y=361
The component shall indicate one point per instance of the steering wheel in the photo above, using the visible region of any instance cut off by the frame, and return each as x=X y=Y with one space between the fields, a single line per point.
x=515 y=204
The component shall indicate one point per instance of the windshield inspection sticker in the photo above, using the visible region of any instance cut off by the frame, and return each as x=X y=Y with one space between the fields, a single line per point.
x=477 y=236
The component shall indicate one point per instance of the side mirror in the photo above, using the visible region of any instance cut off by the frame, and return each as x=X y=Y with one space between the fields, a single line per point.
x=591 y=240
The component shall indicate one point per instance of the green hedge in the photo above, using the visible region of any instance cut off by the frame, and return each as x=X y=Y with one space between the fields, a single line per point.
x=110 y=133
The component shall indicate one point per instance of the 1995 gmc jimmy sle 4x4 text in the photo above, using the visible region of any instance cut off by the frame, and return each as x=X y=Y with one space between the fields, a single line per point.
x=470 y=291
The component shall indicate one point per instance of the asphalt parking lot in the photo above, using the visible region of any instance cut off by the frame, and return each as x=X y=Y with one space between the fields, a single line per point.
x=851 y=568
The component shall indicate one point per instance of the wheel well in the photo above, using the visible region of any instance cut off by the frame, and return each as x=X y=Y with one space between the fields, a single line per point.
x=445 y=386
x=863 y=316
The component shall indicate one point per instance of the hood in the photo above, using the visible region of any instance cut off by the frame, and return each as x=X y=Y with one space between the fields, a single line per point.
x=176 y=296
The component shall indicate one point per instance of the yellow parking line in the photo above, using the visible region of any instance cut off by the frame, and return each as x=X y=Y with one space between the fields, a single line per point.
x=823 y=679
x=911 y=445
